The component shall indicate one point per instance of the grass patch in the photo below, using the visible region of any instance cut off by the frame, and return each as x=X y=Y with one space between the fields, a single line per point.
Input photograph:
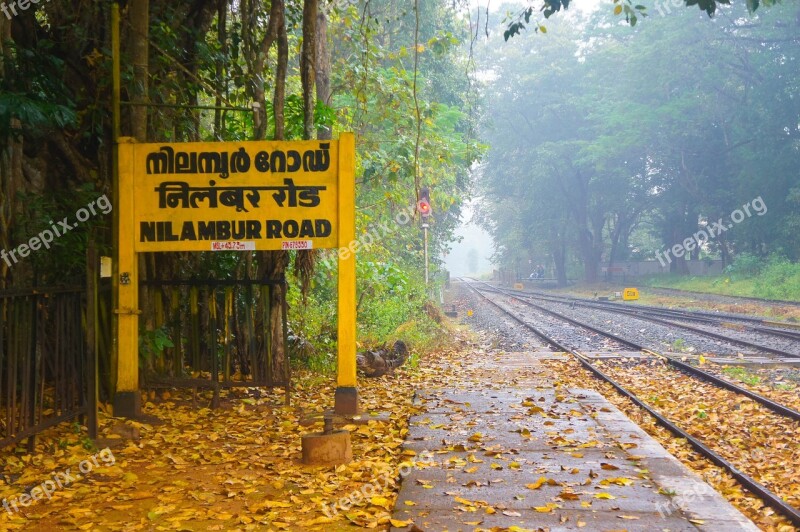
x=742 y=375
x=773 y=278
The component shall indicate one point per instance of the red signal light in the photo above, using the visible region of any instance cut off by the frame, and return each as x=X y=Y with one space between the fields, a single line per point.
x=424 y=203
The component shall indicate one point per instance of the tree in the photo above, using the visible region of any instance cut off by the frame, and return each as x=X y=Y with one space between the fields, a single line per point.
x=267 y=71
x=667 y=128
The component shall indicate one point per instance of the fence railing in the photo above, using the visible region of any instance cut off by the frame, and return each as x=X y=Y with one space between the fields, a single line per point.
x=212 y=333
x=45 y=362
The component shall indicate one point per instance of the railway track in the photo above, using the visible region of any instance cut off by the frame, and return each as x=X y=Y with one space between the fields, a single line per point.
x=667 y=317
x=772 y=405
x=722 y=316
x=731 y=321
x=768 y=496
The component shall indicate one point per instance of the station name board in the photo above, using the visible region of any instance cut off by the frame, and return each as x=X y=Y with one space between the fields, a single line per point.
x=256 y=195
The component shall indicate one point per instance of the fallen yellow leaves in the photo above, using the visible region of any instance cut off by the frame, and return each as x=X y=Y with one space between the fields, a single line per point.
x=540 y=482
x=477 y=437
x=568 y=496
x=604 y=495
x=231 y=468
x=619 y=481
x=549 y=507
x=755 y=440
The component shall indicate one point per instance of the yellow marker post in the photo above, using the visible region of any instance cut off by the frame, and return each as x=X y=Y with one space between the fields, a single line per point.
x=127 y=400
x=346 y=396
x=630 y=294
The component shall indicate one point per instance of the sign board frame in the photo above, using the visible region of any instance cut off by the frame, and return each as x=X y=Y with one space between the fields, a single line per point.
x=166 y=206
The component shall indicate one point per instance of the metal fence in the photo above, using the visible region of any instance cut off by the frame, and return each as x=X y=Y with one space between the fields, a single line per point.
x=46 y=363
x=212 y=334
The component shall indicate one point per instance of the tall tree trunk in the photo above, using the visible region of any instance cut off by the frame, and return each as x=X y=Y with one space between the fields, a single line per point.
x=578 y=197
x=590 y=258
x=281 y=69
x=323 y=71
x=725 y=253
x=271 y=265
x=560 y=261
x=308 y=65
x=678 y=264
x=7 y=173
x=222 y=39
x=304 y=260
x=140 y=50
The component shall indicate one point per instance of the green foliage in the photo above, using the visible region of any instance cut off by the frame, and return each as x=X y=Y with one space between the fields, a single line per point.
x=295 y=115
x=392 y=305
x=85 y=441
x=37 y=115
x=590 y=162
x=33 y=91
x=402 y=97
x=65 y=261
x=741 y=374
x=678 y=344
x=523 y=19
x=632 y=12
x=745 y=265
x=153 y=343
x=780 y=279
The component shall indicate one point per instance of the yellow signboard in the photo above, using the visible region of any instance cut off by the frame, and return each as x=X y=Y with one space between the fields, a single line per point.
x=233 y=196
x=630 y=294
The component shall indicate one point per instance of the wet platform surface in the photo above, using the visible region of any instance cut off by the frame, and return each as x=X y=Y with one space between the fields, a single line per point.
x=509 y=450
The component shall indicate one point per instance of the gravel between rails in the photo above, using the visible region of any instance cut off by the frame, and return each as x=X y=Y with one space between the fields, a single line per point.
x=566 y=333
x=776 y=342
x=650 y=335
x=508 y=335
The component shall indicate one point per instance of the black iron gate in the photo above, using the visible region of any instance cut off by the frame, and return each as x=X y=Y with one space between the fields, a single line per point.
x=46 y=362
x=214 y=334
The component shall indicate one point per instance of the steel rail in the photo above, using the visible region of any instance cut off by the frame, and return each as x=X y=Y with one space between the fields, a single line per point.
x=643 y=316
x=764 y=401
x=752 y=324
x=648 y=314
x=772 y=499
x=693 y=313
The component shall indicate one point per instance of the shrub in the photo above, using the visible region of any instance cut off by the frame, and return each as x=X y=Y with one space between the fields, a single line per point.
x=744 y=266
x=780 y=279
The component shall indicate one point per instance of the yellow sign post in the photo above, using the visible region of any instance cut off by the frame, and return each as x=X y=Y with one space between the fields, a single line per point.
x=234 y=196
x=346 y=397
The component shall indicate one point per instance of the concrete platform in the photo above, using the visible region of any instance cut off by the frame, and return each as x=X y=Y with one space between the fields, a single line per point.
x=529 y=456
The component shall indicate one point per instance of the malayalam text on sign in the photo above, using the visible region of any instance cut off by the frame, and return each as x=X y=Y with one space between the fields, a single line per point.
x=234 y=196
